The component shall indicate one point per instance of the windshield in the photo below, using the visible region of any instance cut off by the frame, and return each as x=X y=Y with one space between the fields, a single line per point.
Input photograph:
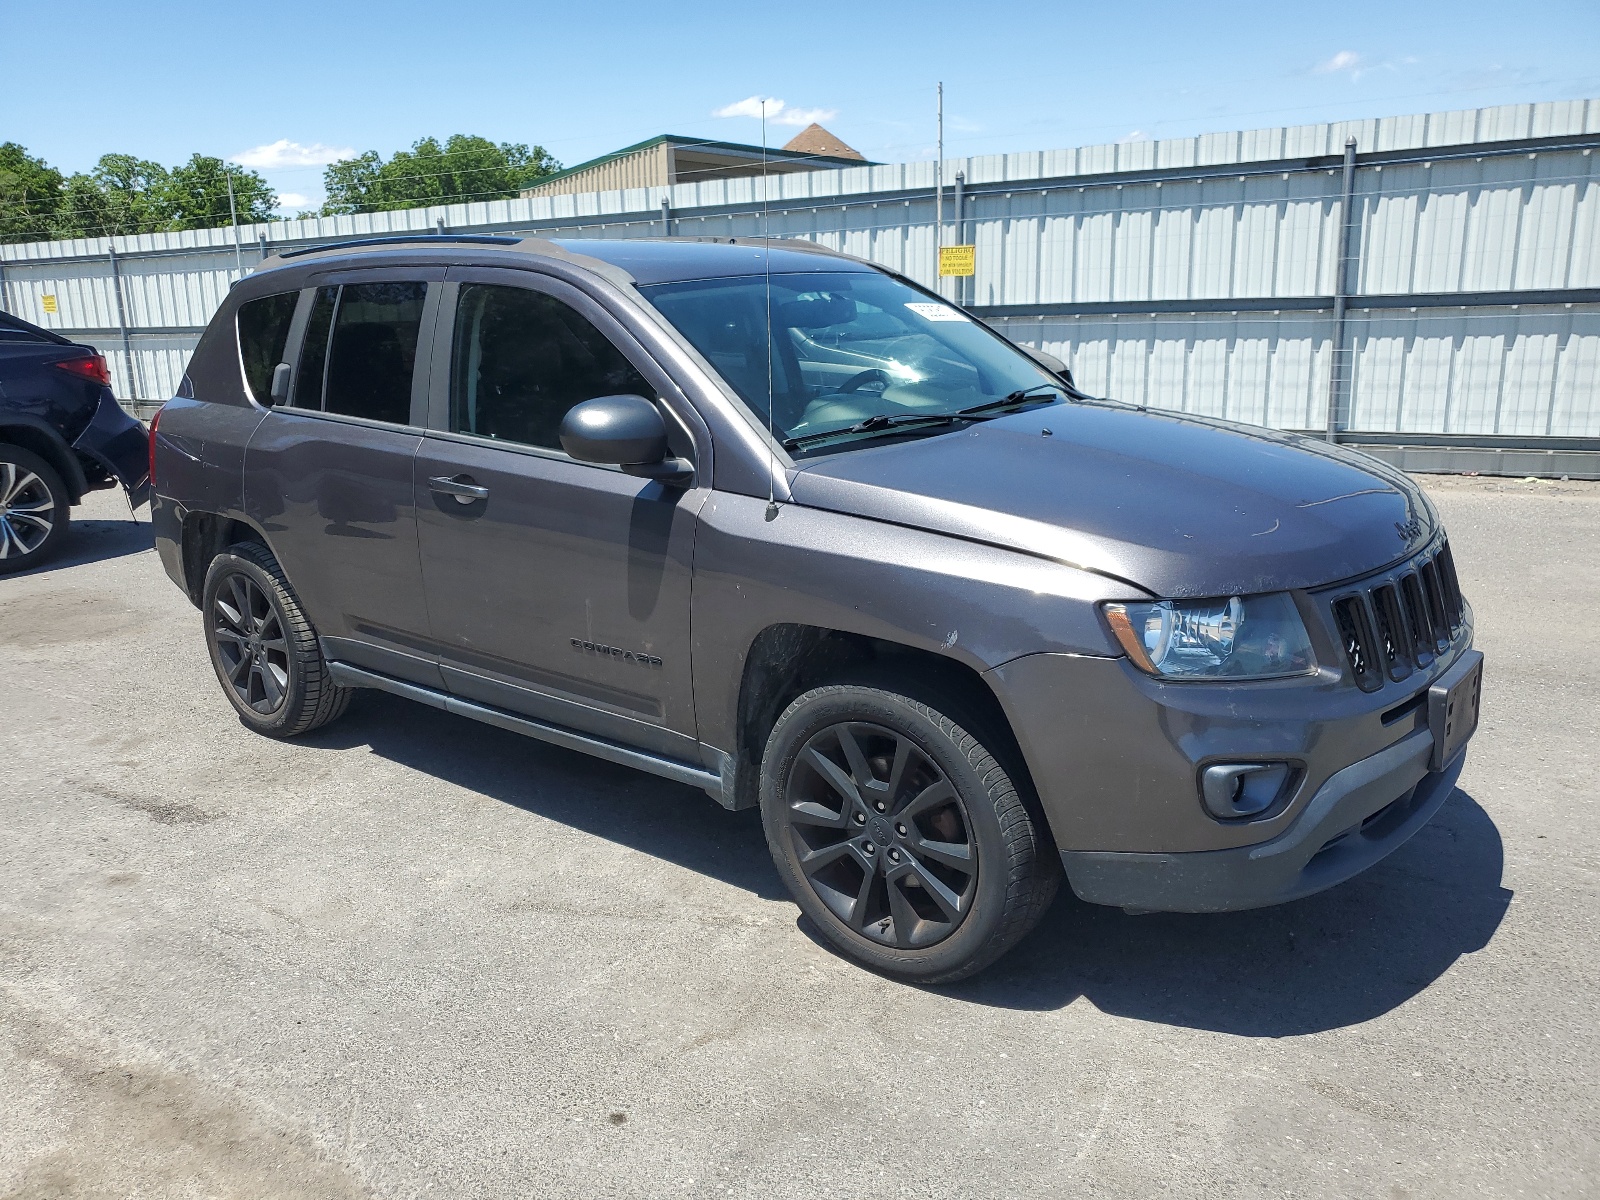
x=846 y=347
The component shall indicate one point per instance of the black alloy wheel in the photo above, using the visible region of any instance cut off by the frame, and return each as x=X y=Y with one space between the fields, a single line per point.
x=900 y=834
x=251 y=644
x=33 y=509
x=883 y=837
x=265 y=651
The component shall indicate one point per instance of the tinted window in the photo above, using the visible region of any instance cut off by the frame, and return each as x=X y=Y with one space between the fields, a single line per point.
x=263 y=335
x=314 y=357
x=8 y=334
x=373 y=350
x=522 y=359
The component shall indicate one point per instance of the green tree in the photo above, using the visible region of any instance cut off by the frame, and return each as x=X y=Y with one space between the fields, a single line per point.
x=30 y=195
x=196 y=194
x=465 y=168
x=123 y=194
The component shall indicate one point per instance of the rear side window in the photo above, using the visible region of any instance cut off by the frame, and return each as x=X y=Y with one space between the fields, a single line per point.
x=361 y=350
x=263 y=337
x=522 y=359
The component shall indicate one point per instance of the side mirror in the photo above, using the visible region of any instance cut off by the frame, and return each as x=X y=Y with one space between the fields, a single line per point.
x=626 y=432
x=1050 y=363
x=280 y=383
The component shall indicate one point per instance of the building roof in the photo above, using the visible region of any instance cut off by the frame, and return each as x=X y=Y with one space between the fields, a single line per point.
x=814 y=139
x=848 y=159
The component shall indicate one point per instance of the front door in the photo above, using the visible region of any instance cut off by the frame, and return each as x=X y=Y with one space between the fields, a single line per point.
x=556 y=588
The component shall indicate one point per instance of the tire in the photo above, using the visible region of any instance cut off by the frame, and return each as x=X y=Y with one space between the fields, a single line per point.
x=263 y=648
x=973 y=872
x=35 y=509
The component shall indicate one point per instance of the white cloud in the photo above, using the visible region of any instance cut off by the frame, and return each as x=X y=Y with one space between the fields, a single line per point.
x=1134 y=135
x=1345 y=60
x=292 y=200
x=778 y=113
x=284 y=153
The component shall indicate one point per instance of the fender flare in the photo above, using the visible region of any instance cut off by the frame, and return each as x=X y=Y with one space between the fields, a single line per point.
x=55 y=449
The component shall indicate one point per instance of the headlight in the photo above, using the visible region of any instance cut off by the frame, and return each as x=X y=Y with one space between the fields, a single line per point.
x=1238 y=637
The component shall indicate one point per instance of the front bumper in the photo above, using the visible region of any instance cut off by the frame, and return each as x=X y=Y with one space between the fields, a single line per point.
x=120 y=444
x=1358 y=816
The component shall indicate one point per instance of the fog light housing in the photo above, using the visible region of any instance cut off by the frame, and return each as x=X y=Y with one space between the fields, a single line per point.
x=1236 y=791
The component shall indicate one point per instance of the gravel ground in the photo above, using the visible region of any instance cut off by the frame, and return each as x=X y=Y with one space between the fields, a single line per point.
x=414 y=955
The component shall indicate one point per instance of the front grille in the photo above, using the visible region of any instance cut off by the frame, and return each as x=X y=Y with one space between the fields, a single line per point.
x=1401 y=620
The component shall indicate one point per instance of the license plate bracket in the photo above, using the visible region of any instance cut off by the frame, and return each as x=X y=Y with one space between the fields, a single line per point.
x=1453 y=704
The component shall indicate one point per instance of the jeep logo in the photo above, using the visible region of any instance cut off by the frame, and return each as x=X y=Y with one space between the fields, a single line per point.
x=1409 y=531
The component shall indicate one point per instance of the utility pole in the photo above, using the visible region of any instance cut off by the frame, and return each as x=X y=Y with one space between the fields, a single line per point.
x=938 y=198
x=233 y=216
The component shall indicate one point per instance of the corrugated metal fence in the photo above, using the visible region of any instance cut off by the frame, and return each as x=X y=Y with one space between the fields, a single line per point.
x=1449 y=290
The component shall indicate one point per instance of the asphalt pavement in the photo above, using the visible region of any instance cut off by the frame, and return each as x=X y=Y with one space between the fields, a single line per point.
x=412 y=955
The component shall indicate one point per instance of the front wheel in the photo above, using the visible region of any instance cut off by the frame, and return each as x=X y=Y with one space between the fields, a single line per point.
x=900 y=835
x=263 y=648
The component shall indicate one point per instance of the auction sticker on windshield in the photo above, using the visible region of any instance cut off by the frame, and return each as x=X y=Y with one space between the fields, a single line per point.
x=936 y=312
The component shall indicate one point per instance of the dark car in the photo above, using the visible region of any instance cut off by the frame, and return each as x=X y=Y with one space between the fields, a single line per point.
x=779 y=524
x=62 y=434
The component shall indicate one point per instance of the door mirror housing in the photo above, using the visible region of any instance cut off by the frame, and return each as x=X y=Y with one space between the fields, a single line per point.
x=627 y=432
x=280 y=384
x=1050 y=363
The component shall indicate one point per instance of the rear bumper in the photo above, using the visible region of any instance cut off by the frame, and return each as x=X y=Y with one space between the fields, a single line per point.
x=119 y=444
x=1357 y=817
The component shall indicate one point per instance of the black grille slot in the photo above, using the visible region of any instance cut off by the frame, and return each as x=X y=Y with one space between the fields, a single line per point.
x=1450 y=586
x=1393 y=648
x=1417 y=622
x=1433 y=593
x=1355 y=635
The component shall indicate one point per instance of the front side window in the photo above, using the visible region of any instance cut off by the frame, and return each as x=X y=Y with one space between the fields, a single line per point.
x=845 y=347
x=361 y=350
x=263 y=337
x=522 y=359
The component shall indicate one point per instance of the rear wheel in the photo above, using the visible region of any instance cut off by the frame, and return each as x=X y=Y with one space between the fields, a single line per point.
x=34 y=509
x=900 y=835
x=264 y=649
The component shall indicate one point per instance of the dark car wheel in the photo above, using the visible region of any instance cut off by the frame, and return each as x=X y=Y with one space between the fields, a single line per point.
x=263 y=648
x=34 y=509
x=900 y=835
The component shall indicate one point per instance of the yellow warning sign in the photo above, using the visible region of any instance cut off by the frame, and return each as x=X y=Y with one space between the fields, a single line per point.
x=958 y=260
x=49 y=302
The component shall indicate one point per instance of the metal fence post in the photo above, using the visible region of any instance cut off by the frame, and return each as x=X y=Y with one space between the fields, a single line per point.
x=1338 y=375
x=961 y=232
x=122 y=323
x=666 y=216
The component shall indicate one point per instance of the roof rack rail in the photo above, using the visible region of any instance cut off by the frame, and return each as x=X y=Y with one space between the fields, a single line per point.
x=482 y=239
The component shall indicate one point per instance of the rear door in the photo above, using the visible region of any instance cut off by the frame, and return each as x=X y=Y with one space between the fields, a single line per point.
x=328 y=476
x=562 y=591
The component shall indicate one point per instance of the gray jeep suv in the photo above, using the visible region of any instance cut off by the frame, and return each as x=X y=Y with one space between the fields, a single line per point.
x=779 y=524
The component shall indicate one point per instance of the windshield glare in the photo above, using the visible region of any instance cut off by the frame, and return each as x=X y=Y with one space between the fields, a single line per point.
x=846 y=346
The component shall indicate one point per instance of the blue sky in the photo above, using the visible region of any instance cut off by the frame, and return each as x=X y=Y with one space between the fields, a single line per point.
x=163 y=80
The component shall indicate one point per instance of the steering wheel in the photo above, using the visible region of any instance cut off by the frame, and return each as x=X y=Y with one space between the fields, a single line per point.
x=861 y=378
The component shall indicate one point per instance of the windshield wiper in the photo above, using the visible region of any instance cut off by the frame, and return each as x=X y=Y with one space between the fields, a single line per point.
x=885 y=423
x=877 y=423
x=1020 y=396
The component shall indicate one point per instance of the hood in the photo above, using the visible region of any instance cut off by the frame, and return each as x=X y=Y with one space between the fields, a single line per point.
x=1179 y=505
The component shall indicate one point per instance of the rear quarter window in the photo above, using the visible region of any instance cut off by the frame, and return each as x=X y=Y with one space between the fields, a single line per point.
x=263 y=337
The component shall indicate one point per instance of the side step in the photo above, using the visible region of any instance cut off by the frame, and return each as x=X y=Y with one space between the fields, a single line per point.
x=668 y=768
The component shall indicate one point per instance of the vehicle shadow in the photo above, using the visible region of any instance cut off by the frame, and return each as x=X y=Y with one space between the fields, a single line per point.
x=95 y=541
x=1336 y=959
x=667 y=820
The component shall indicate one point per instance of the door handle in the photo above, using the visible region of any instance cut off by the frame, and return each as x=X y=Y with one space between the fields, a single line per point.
x=460 y=486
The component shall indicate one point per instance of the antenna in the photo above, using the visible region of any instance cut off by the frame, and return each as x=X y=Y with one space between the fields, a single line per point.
x=766 y=262
x=938 y=199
